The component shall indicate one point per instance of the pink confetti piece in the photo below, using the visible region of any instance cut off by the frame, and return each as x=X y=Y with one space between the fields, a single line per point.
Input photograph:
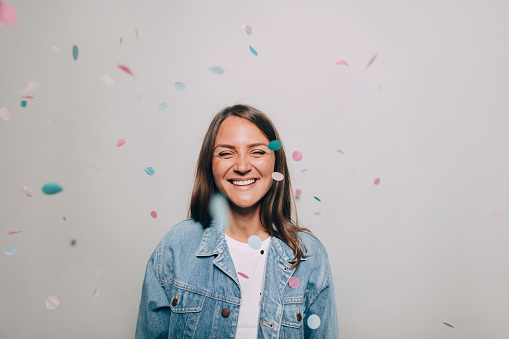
x=377 y=181
x=298 y=191
x=28 y=97
x=448 y=325
x=125 y=69
x=121 y=39
x=294 y=282
x=52 y=303
x=120 y=142
x=153 y=214
x=317 y=213
x=5 y=114
x=108 y=80
x=69 y=238
x=352 y=171
x=342 y=62
x=27 y=190
x=136 y=35
x=243 y=275
x=97 y=292
x=13 y=232
x=29 y=87
x=55 y=49
x=64 y=218
x=371 y=61
x=497 y=213
x=297 y=156
x=249 y=29
x=8 y=14
x=98 y=272
x=277 y=176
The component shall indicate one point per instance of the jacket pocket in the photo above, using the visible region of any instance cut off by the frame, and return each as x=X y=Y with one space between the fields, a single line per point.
x=293 y=317
x=185 y=308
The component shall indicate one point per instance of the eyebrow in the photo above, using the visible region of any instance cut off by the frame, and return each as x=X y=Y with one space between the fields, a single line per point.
x=233 y=147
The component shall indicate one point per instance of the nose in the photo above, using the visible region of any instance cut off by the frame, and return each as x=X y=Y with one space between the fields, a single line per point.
x=242 y=163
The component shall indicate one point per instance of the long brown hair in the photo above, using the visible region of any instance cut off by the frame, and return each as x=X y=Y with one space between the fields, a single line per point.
x=276 y=206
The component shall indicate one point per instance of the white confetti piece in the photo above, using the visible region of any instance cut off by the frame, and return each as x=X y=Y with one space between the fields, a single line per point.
x=29 y=87
x=96 y=293
x=5 y=114
x=28 y=191
x=52 y=303
x=54 y=49
x=108 y=80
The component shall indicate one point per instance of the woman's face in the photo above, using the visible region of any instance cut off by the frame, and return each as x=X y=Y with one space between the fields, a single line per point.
x=242 y=163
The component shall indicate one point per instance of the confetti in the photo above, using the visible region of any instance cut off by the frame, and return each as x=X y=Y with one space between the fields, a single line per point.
x=138 y=97
x=10 y=250
x=253 y=50
x=75 y=52
x=448 y=325
x=317 y=213
x=126 y=69
x=136 y=35
x=218 y=208
x=379 y=87
x=64 y=218
x=277 y=176
x=313 y=321
x=29 y=86
x=5 y=114
x=243 y=275
x=13 y=232
x=294 y=282
x=108 y=80
x=27 y=190
x=297 y=156
x=153 y=214
x=120 y=142
x=497 y=213
x=371 y=61
x=298 y=191
x=97 y=292
x=342 y=62
x=255 y=242
x=180 y=86
x=52 y=303
x=340 y=151
x=8 y=14
x=274 y=145
x=121 y=39
x=28 y=97
x=23 y=103
x=54 y=49
x=98 y=272
x=150 y=171
x=249 y=29
x=51 y=188
x=163 y=107
x=377 y=181
x=304 y=170
x=317 y=198
x=216 y=69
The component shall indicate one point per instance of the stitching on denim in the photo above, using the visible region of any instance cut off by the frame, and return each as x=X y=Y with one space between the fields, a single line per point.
x=193 y=289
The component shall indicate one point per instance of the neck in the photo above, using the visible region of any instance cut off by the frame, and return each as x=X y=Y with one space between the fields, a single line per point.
x=244 y=223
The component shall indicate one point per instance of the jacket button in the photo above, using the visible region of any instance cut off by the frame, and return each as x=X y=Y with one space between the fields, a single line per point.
x=299 y=317
x=225 y=313
x=174 y=302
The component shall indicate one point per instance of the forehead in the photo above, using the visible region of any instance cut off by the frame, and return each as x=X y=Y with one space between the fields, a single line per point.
x=235 y=130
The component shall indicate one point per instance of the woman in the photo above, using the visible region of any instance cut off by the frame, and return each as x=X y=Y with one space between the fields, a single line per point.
x=204 y=280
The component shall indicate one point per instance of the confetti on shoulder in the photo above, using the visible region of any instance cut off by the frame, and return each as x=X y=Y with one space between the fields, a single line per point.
x=342 y=62
x=126 y=69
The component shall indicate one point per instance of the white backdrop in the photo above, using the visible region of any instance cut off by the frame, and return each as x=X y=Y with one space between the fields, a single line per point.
x=424 y=247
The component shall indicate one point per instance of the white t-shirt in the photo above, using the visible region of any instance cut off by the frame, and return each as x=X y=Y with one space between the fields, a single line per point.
x=250 y=266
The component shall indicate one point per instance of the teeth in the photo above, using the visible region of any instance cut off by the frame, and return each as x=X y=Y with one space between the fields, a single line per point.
x=243 y=183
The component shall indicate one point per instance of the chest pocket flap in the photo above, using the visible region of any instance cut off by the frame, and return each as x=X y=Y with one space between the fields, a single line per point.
x=185 y=301
x=293 y=312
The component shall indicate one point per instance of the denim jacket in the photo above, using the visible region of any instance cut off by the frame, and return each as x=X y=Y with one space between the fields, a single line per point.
x=191 y=289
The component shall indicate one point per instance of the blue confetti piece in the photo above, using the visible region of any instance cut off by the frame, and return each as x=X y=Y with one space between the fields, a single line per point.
x=304 y=170
x=216 y=69
x=379 y=87
x=138 y=97
x=75 y=52
x=150 y=171
x=180 y=86
x=255 y=242
x=313 y=321
x=253 y=50
x=274 y=145
x=340 y=151
x=10 y=250
x=218 y=208
x=317 y=199
x=163 y=107
x=51 y=188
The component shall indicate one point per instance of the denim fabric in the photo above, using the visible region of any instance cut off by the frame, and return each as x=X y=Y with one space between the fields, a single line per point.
x=191 y=289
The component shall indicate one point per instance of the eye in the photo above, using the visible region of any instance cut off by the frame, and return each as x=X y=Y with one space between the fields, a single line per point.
x=225 y=155
x=258 y=153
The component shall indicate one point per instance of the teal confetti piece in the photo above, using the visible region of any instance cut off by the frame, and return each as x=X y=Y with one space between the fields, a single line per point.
x=75 y=52
x=253 y=50
x=163 y=107
x=379 y=87
x=10 y=250
x=304 y=170
x=51 y=188
x=340 y=151
x=218 y=208
x=317 y=199
x=150 y=171
x=274 y=145
x=216 y=69
x=180 y=86
x=23 y=103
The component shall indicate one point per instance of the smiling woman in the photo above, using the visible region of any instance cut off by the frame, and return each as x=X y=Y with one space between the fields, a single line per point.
x=259 y=275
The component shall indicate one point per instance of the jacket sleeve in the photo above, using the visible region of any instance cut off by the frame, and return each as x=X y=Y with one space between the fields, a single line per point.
x=154 y=312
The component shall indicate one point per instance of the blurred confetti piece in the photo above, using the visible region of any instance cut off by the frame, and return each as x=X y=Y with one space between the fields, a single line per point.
x=317 y=212
x=216 y=69
x=294 y=282
x=23 y=103
x=125 y=69
x=277 y=176
x=297 y=156
x=51 y=188
x=97 y=292
x=52 y=303
x=108 y=80
x=180 y=86
x=13 y=232
x=317 y=198
x=274 y=145
x=340 y=151
x=448 y=325
x=64 y=218
x=120 y=142
x=121 y=39
x=218 y=208
x=138 y=97
x=29 y=87
x=27 y=190
x=352 y=171
x=298 y=191
x=75 y=52
x=136 y=35
x=11 y=250
x=377 y=181
x=249 y=29
x=149 y=171
x=255 y=242
x=28 y=97
x=5 y=114
x=243 y=275
x=253 y=50
x=342 y=62
x=153 y=214
x=55 y=49
x=379 y=87
x=8 y=14
x=163 y=106
x=371 y=61
x=313 y=321
x=497 y=213
x=98 y=272
x=304 y=170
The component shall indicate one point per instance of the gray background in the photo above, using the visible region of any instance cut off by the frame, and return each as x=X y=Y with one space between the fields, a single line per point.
x=427 y=245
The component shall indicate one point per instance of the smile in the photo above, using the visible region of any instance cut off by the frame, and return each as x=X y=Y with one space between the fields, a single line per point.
x=243 y=183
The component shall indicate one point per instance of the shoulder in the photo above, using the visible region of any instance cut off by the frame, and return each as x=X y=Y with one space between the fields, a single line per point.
x=313 y=246
x=183 y=238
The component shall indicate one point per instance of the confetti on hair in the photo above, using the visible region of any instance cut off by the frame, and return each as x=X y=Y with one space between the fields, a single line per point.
x=371 y=61
x=52 y=303
x=294 y=282
x=10 y=250
x=298 y=191
x=377 y=181
x=153 y=214
x=216 y=69
x=317 y=198
x=126 y=69
x=8 y=14
x=180 y=86
x=163 y=106
x=243 y=275
x=97 y=292
x=253 y=50
x=13 y=232
x=150 y=171
x=108 y=80
x=342 y=62
x=55 y=49
x=51 y=188
x=249 y=29
x=297 y=156
x=27 y=190
x=313 y=321
x=277 y=176
x=340 y=151
x=448 y=325
x=274 y=145
x=255 y=242
x=120 y=142
x=75 y=52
